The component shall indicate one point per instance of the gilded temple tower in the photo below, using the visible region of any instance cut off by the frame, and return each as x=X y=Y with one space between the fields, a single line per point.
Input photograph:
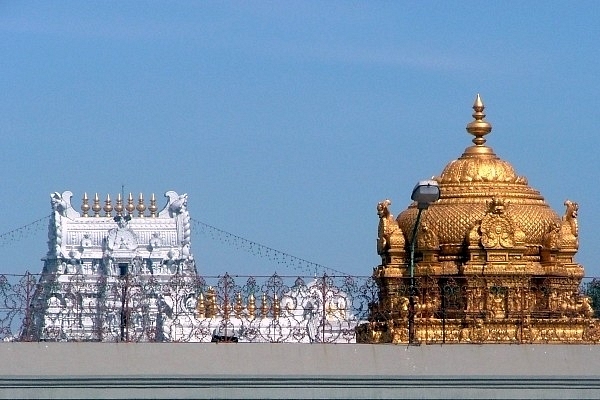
x=494 y=262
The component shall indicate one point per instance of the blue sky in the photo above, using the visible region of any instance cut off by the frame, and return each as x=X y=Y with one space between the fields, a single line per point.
x=286 y=122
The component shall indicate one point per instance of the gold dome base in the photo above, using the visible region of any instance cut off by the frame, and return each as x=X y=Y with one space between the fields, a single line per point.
x=451 y=331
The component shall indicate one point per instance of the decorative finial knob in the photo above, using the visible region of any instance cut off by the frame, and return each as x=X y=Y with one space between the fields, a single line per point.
x=480 y=127
x=108 y=206
x=119 y=205
x=153 y=208
x=96 y=207
x=251 y=305
x=85 y=206
x=200 y=306
x=130 y=207
x=141 y=207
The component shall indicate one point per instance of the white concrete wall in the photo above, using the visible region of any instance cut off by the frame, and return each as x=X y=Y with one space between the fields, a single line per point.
x=211 y=370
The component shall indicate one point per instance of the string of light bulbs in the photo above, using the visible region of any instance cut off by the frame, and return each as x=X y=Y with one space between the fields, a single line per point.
x=256 y=249
x=259 y=250
x=24 y=232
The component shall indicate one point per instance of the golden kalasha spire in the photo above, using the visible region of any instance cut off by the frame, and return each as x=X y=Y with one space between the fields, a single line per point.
x=130 y=207
x=85 y=206
x=212 y=299
x=119 y=205
x=276 y=306
x=238 y=305
x=200 y=307
x=251 y=305
x=108 y=206
x=479 y=128
x=264 y=308
x=96 y=207
x=141 y=207
x=153 y=208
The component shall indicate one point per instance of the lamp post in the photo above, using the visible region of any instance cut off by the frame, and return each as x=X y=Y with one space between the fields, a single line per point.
x=424 y=193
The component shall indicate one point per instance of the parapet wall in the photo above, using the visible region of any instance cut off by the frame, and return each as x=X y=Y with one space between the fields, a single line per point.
x=265 y=370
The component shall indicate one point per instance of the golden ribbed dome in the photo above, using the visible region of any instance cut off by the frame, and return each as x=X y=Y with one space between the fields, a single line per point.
x=468 y=186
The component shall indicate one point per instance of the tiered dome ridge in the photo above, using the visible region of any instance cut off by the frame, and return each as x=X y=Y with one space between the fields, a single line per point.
x=469 y=183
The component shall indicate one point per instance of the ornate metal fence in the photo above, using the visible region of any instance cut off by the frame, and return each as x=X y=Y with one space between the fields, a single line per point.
x=183 y=309
x=324 y=309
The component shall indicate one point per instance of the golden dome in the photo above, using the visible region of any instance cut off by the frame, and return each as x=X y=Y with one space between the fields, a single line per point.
x=469 y=185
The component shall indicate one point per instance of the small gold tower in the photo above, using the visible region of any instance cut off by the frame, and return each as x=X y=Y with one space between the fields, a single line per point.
x=494 y=263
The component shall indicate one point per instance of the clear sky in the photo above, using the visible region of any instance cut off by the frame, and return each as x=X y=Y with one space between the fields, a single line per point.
x=286 y=122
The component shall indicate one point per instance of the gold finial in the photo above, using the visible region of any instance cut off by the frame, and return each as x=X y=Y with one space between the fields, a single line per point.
x=153 y=207
x=239 y=306
x=226 y=309
x=130 y=207
x=200 y=307
x=119 y=205
x=480 y=127
x=85 y=206
x=96 y=207
x=251 y=305
x=213 y=302
x=141 y=207
x=276 y=306
x=108 y=206
x=211 y=299
x=264 y=308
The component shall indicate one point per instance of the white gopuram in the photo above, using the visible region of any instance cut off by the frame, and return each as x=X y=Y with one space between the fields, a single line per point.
x=109 y=267
x=125 y=272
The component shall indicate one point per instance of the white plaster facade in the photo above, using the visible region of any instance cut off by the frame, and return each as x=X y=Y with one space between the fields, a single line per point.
x=96 y=269
x=129 y=275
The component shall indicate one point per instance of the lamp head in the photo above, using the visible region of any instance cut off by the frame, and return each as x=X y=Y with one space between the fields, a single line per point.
x=425 y=193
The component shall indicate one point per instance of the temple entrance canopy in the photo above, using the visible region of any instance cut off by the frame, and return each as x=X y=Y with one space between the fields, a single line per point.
x=494 y=263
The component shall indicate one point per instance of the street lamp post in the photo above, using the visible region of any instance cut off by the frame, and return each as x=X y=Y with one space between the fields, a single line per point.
x=424 y=193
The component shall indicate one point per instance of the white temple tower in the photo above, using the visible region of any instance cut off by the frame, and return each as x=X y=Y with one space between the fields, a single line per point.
x=112 y=273
x=125 y=272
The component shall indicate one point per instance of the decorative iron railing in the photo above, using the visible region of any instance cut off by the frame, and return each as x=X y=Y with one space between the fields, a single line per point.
x=324 y=309
x=183 y=309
